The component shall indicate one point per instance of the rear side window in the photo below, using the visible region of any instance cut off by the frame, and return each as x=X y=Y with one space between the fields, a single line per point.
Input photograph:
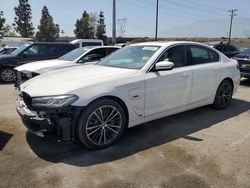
x=59 y=50
x=201 y=55
x=229 y=48
x=214 y=57
x=219 y=48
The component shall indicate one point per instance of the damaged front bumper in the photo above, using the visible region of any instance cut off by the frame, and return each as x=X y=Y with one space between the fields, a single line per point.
x=56 y=123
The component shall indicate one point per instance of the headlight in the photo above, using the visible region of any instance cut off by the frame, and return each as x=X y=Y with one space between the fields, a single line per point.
x=53 y=101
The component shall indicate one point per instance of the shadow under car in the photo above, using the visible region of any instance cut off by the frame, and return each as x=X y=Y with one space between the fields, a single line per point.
x=138 y=138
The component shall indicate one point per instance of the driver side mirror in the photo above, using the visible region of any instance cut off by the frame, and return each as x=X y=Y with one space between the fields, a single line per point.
x=164 y=65
x=24 y=55
x=85 y=59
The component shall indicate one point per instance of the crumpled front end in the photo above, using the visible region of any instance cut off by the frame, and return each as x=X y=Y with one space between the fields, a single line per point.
x=56 y=123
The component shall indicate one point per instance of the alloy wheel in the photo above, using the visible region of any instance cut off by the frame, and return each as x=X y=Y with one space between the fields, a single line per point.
x=8 y=75
x=225 y=94
x=104 y=125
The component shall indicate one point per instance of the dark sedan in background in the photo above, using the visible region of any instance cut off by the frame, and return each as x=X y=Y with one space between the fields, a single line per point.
x=244 y=61
x=30 y=52
x=227 y=49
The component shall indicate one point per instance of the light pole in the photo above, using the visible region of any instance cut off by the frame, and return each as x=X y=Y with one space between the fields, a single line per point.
x=156 y=21
x=114 y=23
x=232 y=14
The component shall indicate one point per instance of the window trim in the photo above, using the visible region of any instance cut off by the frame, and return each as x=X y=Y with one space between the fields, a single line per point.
x=171 y=46
x=150 y=69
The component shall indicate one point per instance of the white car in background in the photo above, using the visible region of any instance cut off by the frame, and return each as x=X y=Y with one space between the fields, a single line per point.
x=79 y=56
x=79 y=43
x=138 y=83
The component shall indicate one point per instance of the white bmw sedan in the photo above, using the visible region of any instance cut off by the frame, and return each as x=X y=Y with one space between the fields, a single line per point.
x=137 y=84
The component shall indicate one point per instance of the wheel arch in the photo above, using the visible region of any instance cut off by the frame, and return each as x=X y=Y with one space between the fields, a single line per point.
x=6 y=66
x=116 y=99
x=111 y=97
x=230 y=80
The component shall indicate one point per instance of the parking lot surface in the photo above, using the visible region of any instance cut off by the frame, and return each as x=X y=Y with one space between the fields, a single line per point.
x=199 y=148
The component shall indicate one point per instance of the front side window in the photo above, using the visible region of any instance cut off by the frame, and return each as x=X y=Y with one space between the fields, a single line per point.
x=36 y=50
x=176 y=55
x=101 y=52
x=110 y=50
x=20 y=49
x=74 y=54
x=91 y=44
x=130 y=57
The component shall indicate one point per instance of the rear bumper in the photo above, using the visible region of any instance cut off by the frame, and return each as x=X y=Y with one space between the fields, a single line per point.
x=59 y=124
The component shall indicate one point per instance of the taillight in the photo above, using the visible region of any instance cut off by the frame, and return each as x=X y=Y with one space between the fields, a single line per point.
x=238 y=65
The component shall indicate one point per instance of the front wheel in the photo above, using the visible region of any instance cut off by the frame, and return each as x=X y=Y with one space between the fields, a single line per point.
x=101 y=124
x=7 y=75
x=223 y=95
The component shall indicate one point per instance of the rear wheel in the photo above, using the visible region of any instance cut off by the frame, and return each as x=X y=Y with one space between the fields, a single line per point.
x=7 y=75
x=223 y=95
x=101 y=124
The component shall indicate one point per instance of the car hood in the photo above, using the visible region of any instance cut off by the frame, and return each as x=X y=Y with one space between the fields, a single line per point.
x=38 y=65
x=61 y=66
x=68 y=80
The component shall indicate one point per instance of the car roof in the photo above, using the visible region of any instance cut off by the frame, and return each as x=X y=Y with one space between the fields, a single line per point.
x=166 y=43
x=50 y=43
x=98 y=47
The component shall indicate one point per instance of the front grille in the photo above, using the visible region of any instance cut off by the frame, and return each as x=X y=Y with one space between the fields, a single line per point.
x=27 y=100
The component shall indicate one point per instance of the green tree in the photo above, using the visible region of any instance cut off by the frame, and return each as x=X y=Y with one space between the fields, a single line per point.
x=22 y=22
x=2 y=22
x=101 y=27
x=47 y=30
x=9 y=31
x=83 y=28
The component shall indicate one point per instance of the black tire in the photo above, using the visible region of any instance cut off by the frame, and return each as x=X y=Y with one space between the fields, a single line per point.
x=7 y=75
x=223 y=95
x=94 y=122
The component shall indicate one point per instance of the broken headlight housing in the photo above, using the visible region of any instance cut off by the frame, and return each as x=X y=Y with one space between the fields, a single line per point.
x=53 y=101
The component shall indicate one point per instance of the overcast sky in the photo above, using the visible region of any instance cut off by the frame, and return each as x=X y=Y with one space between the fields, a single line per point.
x=140 y=14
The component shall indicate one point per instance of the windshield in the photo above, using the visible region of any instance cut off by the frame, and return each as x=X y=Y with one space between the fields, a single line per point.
x=74 y=54
x=20 y=49
x=246 y=51
x=130 y=57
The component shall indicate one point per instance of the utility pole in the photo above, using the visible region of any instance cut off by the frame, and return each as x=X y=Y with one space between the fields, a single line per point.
x=114 y=23
x=232 y=14
x=156 y=21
